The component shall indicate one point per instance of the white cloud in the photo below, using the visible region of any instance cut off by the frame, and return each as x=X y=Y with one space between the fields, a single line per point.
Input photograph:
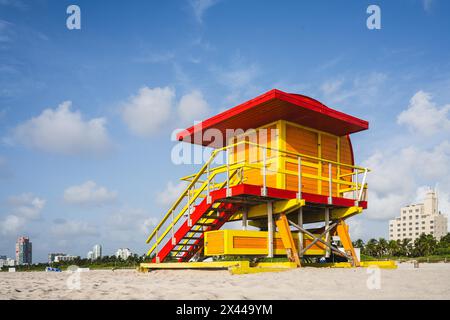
x=358 y=90
x=63 y=131
x=331 y=87
x=27 y=205
x=125 y=222
x=22 y=209
x=407 y=166
x=73 y=228
x=192 y=107
x=89 y=193
x=147 y=226
x=199 y=8
x=11 y=225
x=356 y=227
x=398 y=175
x=146 y=112
x=240 y=78
x=424 y=117
x=170 y=193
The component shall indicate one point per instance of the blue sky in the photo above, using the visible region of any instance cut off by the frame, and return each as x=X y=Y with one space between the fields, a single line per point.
x=96 y=173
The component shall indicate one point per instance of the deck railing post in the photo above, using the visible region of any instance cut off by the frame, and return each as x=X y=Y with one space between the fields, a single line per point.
x=264 y=188
x=355 y=191
x=300 y=232
x=327 y=235
x=189 y=222
x=299 y=193
x=208 y=190
x=330 y=184
x=228 y=172
x=363 y=182
x=156 y=248
x=173 y=233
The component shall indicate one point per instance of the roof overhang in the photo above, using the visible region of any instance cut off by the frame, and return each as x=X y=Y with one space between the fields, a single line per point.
x=272 y=106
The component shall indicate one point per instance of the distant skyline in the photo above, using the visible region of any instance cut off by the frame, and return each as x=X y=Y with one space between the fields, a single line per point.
x=86 y=116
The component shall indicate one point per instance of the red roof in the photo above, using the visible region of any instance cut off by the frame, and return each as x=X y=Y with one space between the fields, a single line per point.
x=278 y=105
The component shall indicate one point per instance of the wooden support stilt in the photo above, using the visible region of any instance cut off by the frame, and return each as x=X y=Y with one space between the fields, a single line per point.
x=300 y=233
x=327 y=235
x=286 y=237
x=244 y=219
x=319 y=239
x=344 y=236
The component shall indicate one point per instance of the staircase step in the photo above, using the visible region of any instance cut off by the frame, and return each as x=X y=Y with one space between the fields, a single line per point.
x=185 y=233
x=192 y=238
x=213 y=218
x=220 y=210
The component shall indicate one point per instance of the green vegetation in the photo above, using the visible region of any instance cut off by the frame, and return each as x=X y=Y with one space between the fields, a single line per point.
x=424 y=249
x=106 y=262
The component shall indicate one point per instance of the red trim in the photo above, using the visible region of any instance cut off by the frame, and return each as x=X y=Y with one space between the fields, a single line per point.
x=224 y=217
x=245 y=189
x=272 y=106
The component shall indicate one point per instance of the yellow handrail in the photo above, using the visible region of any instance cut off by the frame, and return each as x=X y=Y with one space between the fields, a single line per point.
x=233 y=168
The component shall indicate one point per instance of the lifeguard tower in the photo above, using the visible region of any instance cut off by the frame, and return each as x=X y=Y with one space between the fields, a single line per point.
x=282 y=168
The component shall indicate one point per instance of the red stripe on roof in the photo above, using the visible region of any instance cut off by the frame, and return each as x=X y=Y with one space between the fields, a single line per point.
x=277 y=105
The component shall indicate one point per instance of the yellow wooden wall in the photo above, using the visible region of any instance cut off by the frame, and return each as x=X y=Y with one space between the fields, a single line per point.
x=298 y=139
x=254 y=155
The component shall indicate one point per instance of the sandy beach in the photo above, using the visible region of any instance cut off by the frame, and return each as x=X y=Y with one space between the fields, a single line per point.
x=430 y=281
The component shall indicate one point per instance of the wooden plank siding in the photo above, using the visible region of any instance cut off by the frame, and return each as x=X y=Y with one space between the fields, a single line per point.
x=303 y=141
x=254 y=155
x=297 y=139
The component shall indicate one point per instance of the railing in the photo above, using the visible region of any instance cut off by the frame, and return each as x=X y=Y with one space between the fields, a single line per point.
x=201 y=184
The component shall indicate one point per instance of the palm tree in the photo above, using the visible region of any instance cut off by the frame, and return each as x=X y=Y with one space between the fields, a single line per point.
x=382 y=247
x=358 y=244
x=445 y=241
x=406 y=247
x=424 y=245
x=371 y=247
x=393 y=248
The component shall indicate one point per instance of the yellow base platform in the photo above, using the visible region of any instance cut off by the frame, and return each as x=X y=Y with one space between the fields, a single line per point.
x=235 y=267
x=390 y=264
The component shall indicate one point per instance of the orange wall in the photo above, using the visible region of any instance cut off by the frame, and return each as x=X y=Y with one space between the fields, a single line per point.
x=297 y=139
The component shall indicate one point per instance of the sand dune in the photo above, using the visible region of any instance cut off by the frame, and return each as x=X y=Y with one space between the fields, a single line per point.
x=430 y=281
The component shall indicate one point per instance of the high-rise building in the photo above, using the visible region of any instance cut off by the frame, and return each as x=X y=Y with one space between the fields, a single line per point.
x=51 y=256
x=123 y=253
x=23 y=251
x=419 y=218
x=97 y=252
x=90 y=255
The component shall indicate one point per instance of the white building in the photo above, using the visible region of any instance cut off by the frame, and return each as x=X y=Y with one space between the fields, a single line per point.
x=7 y=262
x=419 y=218
x=97 y=252
x=123 y=253
x=90 y=255
x=65 y=257
x=51 y=256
